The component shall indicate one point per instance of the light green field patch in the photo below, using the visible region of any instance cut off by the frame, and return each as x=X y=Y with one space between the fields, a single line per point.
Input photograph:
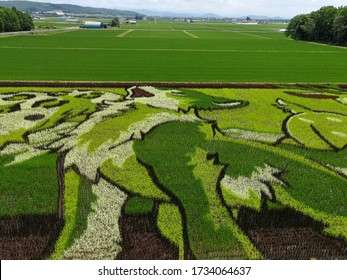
x=138 y=206
x=253 y=200
x=112 y=129
x=254 y=117
x=133 y=177
x=319 y=130
x=207 y=172
x=12 y=136
x=169 y=222
x=76 y=110
x=70 y=211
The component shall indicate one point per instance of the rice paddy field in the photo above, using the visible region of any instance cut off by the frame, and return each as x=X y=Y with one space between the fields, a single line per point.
x=171 y=51
x=173 y=173
x=172 y=164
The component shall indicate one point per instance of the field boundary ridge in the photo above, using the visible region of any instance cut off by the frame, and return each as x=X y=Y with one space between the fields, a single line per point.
x=108 y=84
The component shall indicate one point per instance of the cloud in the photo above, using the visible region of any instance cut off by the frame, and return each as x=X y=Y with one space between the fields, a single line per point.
x=284 y=8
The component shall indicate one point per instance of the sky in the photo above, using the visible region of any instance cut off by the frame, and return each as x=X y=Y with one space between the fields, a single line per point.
x=229 y=8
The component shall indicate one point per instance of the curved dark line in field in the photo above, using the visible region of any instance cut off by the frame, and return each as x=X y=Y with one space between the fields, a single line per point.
x=131 y=138
x=286 y=132
x=124 y=190
x=19 y=94
x=60 y=103
x=315 y=111
x=320 y=135
x=216 y=161
x=61 y=185
x=7 y=143
x=188 y=254
x=331 y=168
x=15 y=108
x=340 y=102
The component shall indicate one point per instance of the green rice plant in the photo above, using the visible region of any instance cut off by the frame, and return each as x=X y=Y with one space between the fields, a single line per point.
x=208 y=172
x=196 y=99
x=13 y=137
x=4 y=159
x=314 y=104
x=70 y=209
x=254 y=116
x=7 y=108
x=78 y=198
x=91 y=55
x=171 y=158
x=133 y=178
x=30 y=187
x=111 y=129
x=76 y=110
x=253 y=201
x=336 y=225
x=169 y=222
x=138 y=205
x=307 y=182
x=335 y=159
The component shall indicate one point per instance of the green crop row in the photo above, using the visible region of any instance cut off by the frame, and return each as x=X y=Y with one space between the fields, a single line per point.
x=220 y=53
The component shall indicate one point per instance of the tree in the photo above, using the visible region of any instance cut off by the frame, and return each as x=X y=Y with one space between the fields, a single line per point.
x=300 y=27
x=2 y=20
x=115 y=22
x=11 y=22
x=14 y=20
x=25 y=21
x=327 y=25
x=323 y=21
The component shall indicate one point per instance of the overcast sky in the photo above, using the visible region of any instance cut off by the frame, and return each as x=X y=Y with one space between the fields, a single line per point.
x=283 y=8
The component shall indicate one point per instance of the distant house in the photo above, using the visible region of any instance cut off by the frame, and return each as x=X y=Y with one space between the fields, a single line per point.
x=133 y=21
x=94 y=25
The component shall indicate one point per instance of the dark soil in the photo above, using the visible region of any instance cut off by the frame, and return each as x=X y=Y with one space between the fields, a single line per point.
x=34 y=117
x=142 y=241
x=300 y=243
x=312 y=95
x=288 y=235
x=28 y=237
x=138 y=92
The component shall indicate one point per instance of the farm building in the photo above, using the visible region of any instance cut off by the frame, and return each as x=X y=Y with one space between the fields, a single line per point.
x=94 y=25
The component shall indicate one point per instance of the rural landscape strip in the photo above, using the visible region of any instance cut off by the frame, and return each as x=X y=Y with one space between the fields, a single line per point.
x=190 y=34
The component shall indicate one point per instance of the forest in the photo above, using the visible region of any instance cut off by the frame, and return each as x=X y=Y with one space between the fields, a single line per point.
x=12 y=20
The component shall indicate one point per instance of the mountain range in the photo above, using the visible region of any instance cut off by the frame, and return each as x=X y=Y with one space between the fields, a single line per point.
x=31 y=7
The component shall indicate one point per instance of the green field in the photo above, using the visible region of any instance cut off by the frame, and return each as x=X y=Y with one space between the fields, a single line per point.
x=171 y=51
x=177 y=172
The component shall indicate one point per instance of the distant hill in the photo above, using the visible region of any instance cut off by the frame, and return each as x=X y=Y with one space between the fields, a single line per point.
x=31 y=7
x=257 y=17
x=176 y=15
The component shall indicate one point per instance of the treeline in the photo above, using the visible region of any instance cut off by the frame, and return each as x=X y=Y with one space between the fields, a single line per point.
x=327 y=25
x=14 y=20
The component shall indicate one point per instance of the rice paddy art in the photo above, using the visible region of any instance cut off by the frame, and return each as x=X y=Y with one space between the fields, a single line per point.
x=173 y=173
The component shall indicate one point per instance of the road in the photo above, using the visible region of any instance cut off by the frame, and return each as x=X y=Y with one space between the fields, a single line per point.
x=38 y=31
